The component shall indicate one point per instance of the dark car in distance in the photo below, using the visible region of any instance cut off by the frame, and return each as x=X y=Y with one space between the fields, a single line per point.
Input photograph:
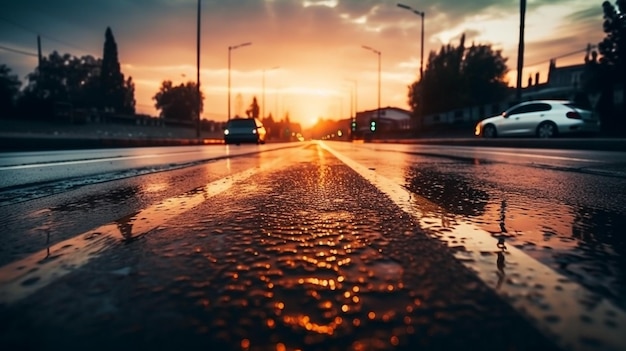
x=244 y=130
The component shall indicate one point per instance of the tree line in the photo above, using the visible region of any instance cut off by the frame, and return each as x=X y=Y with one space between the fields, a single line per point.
x=457 y=77
x=62 y=82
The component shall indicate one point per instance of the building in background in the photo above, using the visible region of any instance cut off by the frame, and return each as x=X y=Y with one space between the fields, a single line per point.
x=392 y=120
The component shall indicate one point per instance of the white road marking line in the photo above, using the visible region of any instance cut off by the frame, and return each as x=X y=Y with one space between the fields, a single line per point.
x=548 y=157
x=569 y=314
x=77 y=162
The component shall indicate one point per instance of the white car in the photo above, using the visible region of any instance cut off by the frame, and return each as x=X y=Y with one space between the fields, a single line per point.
x=540 y=118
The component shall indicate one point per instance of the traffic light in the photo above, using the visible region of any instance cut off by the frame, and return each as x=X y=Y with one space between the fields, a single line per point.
x=372 y=126
x=353 y=126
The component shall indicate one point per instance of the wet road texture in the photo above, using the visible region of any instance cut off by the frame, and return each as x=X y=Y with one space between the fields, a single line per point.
x=301 y=254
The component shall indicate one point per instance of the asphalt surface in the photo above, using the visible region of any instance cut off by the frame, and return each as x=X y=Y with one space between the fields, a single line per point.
x=305 y=255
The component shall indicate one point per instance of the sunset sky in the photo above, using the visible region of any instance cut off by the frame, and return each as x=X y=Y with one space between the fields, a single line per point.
x=316 y=45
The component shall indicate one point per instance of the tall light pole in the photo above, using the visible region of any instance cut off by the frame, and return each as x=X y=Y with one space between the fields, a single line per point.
x=353 y=108
x=230 y=49
x=421 y=97
x=353 y=98
x=520 y=50
x=199 y=107
x=378 y=53
x=263 y=103
x=421 y=14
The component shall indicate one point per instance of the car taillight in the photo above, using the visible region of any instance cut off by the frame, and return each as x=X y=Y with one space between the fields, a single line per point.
x=573 y=115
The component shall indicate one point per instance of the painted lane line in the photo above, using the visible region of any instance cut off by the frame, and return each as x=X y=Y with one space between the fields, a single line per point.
x=24 y=277
x=205 y=156
x=569 y=314
x=83 y=161
x=548 y=157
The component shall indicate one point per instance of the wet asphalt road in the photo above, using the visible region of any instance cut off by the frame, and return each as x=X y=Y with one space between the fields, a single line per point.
x=298 y=249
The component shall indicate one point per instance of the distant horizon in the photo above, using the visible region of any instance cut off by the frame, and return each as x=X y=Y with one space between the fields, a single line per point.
x=308 y=53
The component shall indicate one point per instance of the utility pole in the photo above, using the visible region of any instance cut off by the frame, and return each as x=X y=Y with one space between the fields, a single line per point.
x=198 y=74
x=520 y=50
x=39 y=52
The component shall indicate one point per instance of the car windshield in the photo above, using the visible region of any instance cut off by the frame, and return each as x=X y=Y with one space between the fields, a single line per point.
x=241 y=123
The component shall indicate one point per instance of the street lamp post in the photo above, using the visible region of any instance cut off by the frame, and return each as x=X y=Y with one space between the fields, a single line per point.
x=263 y=103
x=421 y=98
x=421 y=14
x=378 y=53
x=520 y=50
x=353 y=107
x=198 y=73
x=353 y=98
x=230 y=49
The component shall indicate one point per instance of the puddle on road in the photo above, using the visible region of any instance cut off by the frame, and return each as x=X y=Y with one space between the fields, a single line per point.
x=504 y=239
x=582 y=243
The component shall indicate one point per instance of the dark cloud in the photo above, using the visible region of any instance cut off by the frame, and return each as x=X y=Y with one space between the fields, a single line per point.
x=592 y=13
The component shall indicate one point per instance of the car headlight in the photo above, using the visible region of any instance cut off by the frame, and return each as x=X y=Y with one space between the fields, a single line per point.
x=226 y=132
x=253 y=131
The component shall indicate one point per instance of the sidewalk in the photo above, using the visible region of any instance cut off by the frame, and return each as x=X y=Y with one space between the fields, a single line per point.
x=22 y=136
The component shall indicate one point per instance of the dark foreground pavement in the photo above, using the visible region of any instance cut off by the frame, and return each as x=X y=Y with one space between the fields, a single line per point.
x=309 y=256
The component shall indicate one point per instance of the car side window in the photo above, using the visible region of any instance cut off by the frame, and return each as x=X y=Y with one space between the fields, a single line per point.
x=544 y=107
x=538 y=107
x=518 y=110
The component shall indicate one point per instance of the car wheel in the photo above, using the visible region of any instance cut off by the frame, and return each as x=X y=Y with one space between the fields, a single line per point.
x=547 y=130
x=490 y=131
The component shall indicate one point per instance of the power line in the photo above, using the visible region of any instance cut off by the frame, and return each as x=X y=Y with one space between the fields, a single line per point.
x=17 y=51
x=44 y=36
x=561 y=56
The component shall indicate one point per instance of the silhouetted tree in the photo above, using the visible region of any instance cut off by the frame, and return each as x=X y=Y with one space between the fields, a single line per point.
x=484 y=72
x=457 y=77
x=270 y=126
x=114 y=90
x=129 y=97
x=178 y=102
x=61 y=79
x=9 y=89
x=613 y=47
x=253 y=110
